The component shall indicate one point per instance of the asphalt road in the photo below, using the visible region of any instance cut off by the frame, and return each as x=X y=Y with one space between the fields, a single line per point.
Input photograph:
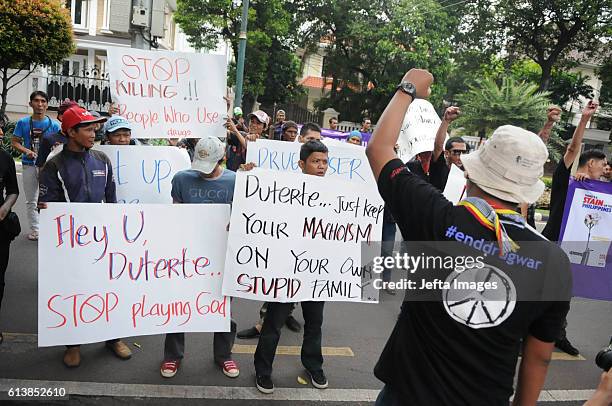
x=353 y=333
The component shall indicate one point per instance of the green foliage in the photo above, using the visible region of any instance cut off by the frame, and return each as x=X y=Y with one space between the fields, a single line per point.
x=270 y=66
x=31 y=33
x=550 y=32
x=563 y=87
x=487 y=105
x=372 y=43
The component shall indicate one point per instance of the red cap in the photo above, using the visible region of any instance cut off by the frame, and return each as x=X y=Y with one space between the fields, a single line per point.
x=78 y=115
x=65 y=106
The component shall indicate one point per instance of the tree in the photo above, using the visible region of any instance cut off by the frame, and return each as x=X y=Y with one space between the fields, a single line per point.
x=564 y=86
x=269 y=57
x=370 y=44
x=550 y=32
x=32 y=34
x=488 y=105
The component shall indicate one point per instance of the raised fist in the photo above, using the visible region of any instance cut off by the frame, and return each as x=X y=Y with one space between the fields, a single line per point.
x=421 y=79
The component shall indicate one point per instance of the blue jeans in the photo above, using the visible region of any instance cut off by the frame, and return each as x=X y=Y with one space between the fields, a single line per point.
x=388 y=241
x=387 y=397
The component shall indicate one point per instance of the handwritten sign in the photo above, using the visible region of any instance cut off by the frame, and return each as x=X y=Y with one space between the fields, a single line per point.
x=169 y=94
x=296 y=237
x=346 y=161
x=586 y=237
x=144 y=174
x=418 y=131
x=113 y=270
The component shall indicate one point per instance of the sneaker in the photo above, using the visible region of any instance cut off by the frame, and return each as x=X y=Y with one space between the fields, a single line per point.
x=567 y=347
x=230 y=369
x=264 y=384
x=72 y=357
x=120 y=349
x=248 y=333
x=33 y=236
x=318 y=379
x=169 y=368
x=292 y=324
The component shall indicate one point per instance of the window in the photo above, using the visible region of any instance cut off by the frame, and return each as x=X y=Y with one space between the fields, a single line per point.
x=78 y=12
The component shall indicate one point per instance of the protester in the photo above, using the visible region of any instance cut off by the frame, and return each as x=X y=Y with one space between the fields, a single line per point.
x=333 y=123
x=453 y=149
x=237 y=140
x=276 y=129
x=607 y=175
x=289 y=134
x=118 y=131
x=553 y=115
x=80 y=175
x=435 y=356
x=313 y=161
x=188 y=144
x=309 y=132
x=354 y=138
x=366 y=124
x=592 y=164
x=239 y=120
x=290 y=131
x=420 y=165
x=603 y=394
x=51 y=141
x=26 y=139
x=9 y=191
x=206 y=182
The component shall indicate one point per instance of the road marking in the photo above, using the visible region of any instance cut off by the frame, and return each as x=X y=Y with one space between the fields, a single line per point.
x=282 y=349
x=237 y=349
x=561 y=356
x=295 y=350
x=238 y=392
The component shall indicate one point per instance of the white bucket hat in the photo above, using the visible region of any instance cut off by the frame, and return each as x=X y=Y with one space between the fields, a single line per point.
x=509 y=165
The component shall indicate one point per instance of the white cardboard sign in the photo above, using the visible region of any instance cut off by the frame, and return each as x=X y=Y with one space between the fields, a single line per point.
x=296 y=237
x=169 y=94
x=418 y=132
x=112 y=270
x=144 y=174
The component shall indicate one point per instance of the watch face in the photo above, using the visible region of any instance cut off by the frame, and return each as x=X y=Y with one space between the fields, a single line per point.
x=408 y=87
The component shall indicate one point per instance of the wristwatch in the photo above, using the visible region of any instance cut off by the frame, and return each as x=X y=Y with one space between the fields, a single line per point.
x=407 y=88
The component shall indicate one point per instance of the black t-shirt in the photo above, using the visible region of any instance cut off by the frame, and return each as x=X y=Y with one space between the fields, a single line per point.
x=416 y=168
x=558 y=194
x=433 y=358
x=438 y=172
x=8 y=176
x=236 y=153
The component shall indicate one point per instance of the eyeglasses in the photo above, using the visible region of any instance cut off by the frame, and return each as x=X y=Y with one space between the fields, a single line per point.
x=457 y=152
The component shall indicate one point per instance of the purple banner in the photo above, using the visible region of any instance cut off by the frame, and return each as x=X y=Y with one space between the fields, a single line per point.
x=342 y=136
x=586 y=236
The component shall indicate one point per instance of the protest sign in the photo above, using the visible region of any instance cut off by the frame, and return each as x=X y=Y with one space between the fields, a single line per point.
x=586 y=236
x=114 y=270
x=418 y=131
x=296 y=237
x=144 y=174
x=346 y=161
x=169 y=94
x=455 y=185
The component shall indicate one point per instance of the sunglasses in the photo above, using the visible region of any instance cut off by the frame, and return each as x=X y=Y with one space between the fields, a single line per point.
x=457 y=152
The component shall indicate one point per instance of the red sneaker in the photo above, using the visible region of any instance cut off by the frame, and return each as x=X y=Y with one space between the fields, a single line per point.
x=230 y=369
x=169 y=368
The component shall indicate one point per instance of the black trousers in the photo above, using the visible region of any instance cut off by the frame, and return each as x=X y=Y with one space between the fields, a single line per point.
x=276 y=314
x=5 y=246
